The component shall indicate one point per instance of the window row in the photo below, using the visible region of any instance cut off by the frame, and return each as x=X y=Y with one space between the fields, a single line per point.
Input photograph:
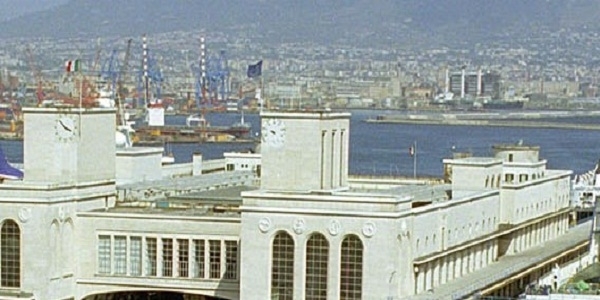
x=317 y=267
x=168 y=257
x=493 y=181
x=458 y=235
x=510 y=178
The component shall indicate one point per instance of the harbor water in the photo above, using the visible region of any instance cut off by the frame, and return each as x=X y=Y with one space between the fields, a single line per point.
x=383 y=149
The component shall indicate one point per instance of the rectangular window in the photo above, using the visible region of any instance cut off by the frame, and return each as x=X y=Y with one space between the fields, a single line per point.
x=135 y=256
x=184 y=256
x=104 y=254
x=199 y=255
x=509 y=178
x=215 y=258
x=151 y=256
x=231 y=259
x=167 y=256
x=120 y=253
x=523 y=177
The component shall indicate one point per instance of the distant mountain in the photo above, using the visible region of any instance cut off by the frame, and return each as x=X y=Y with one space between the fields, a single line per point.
x=365 y=22
x=15 y=8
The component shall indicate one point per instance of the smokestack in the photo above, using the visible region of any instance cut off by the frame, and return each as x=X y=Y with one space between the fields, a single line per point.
x=447 y=81
x=145 y=67
x=462 y=83
x=479 y=83
x=203 y=67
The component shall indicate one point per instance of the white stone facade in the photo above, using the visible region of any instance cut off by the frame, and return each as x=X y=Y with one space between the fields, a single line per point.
x=306 y=233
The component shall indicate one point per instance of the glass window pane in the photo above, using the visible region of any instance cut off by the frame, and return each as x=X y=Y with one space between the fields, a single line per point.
x=10 y=248
x=120 y=253
x=135 y=256
x=317 y=256
x=199 y=255
x=231 y=259
x=282 y=269
x=215 y=258
x=151 y=256
x=351 y=268
x=184 y=257
x=167 y=257
x=104 y=254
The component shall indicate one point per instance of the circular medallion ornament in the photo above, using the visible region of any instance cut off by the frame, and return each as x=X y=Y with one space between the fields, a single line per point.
x=299 y=226
x=264 y=225
x=25 y=214
x=334 y=227
x=369 y=229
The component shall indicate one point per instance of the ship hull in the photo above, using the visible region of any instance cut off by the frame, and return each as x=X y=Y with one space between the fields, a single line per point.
x=186 y=134
x=504 y=105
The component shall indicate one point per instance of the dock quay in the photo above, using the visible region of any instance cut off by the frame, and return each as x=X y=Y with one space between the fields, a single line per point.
x=548 y=120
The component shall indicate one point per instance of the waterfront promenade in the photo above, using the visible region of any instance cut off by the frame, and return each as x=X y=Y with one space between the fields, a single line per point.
x=511 y=267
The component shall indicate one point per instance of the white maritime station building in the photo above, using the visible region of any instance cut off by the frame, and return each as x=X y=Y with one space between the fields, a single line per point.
x=90 y=221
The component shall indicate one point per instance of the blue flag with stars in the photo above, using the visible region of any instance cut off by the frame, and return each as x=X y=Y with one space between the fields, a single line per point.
x=255 y=70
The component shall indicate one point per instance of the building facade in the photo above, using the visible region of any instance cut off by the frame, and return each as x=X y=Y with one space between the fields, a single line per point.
x=307 y=231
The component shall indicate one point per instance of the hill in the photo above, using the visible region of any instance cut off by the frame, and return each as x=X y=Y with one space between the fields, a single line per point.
x=359 y=22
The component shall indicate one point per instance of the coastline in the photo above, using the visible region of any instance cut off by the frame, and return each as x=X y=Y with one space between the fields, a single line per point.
x=530 y=119
x=490 y=123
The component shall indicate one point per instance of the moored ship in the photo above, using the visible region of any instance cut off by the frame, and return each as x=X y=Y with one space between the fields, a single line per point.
x=503 y=104
x=197 y=129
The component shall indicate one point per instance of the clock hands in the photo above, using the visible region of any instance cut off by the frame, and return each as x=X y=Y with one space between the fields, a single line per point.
x=64 y=126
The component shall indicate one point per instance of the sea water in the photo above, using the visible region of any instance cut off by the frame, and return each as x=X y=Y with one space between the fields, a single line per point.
x=383 y=149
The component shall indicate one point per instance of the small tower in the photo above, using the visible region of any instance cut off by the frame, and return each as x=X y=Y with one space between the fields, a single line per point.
x=304 y=151
x=69 y=167
x=65 y=145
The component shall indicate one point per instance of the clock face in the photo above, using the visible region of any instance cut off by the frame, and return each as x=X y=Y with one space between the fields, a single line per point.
x=273 y=133
x=65 y=128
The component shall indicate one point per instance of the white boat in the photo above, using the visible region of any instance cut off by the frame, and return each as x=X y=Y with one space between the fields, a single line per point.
x=585 y=189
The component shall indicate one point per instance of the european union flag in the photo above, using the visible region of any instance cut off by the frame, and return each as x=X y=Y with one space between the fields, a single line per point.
x=254 y=70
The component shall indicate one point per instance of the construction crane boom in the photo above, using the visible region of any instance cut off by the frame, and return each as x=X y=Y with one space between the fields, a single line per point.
x=37 y=75
x=97 y=56
x=120 y=94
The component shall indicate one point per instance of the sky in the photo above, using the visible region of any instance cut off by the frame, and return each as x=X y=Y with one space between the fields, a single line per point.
x=14 y=8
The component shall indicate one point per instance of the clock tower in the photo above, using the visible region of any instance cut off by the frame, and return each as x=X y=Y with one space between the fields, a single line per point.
x=69 y=167
x=68 y=144
x=304 y=151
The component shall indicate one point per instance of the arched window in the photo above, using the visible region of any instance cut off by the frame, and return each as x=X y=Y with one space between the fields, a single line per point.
x=317 y=256
x=10 y=254
x=351 y=268
x=282 y=268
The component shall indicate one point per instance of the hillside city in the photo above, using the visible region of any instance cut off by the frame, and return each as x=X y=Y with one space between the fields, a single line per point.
x=552 y=70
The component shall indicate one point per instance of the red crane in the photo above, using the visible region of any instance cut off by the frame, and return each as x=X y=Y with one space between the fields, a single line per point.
x=37 y=75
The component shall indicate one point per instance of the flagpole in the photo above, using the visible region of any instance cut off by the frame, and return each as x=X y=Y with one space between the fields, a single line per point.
x=80 y=85
x=78 y=64
x=262 y=94
x=415 y=160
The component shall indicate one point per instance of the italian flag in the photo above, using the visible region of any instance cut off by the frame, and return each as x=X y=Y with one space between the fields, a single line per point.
x=73 y=65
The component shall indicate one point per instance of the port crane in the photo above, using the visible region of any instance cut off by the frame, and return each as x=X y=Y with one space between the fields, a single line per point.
x=110 y=72
x=218 y=76
x=215 y=80
x=120 y=91
x=37 y=75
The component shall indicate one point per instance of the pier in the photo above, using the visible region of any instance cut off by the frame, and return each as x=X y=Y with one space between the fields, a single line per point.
x=494 y=119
